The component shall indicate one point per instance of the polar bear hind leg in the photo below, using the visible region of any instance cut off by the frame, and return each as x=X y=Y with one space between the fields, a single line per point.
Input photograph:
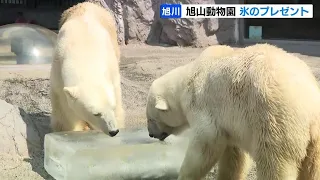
x=311 y=164
x=273 y=164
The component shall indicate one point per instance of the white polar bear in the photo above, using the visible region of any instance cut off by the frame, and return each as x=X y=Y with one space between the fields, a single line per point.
x=258 y=100
x=85 y=78
x=215 y=51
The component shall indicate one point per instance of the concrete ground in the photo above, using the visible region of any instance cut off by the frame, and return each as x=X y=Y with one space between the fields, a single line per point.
x=27 y=87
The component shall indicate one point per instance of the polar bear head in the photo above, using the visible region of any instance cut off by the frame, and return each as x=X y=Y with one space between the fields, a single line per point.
x=94 y=104
x=164 y=114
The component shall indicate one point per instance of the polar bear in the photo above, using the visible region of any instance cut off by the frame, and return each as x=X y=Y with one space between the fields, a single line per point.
x=215 y=51
x=107 y=20
x=85 y=89
x=257 y=102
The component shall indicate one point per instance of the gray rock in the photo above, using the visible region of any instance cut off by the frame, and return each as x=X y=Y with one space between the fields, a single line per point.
x=138 y=21
x=18 y=132
x=192 y=32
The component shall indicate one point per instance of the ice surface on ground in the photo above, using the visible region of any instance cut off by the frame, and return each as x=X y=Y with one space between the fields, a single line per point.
x=129 y=155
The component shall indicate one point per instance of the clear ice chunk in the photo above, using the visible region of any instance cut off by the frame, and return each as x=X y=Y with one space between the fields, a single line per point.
x=132 y=154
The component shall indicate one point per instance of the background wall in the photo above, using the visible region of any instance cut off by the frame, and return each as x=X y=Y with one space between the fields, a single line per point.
x=138 y=22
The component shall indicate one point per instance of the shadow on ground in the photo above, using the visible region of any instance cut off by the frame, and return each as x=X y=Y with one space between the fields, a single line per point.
x=36 y=155
x=31 y=96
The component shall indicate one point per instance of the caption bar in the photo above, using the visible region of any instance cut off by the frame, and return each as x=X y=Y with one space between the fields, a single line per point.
x=236 y=11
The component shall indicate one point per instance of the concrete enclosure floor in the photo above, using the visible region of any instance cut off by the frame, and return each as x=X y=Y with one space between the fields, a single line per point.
x=27 y=87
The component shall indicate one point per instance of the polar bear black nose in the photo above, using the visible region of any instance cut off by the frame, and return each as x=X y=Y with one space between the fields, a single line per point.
x=151 y=135
x=113 y=133
x=163 y=136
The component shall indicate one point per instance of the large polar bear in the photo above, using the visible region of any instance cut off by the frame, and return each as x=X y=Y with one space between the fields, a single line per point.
x=85 y=79
x=258 y=100
x=215 y=51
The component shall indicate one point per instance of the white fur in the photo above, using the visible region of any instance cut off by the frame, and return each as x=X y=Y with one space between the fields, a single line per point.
x=85 y=77
x=259 y=101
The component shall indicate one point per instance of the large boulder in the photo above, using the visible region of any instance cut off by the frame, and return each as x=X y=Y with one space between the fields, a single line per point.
x=198 y=32
x=18 y=133
x=134 y=19
x=139 y=21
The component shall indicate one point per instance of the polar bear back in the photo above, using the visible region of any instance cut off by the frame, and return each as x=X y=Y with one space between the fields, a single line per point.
x=255 y=88
x=259 y=70
x=102 y=15
x=86 y=49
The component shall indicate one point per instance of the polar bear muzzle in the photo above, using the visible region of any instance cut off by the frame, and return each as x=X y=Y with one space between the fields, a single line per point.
x=155 y=131
x=161 y=137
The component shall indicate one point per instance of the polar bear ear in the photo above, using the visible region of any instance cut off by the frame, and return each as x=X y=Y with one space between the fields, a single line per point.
x=161 y=104
x=71 y=91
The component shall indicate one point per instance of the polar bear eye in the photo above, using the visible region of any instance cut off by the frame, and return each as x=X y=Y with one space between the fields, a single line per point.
x=97 y=114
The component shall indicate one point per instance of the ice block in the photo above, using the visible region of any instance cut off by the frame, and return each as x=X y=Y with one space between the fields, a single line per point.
x=132 y=154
